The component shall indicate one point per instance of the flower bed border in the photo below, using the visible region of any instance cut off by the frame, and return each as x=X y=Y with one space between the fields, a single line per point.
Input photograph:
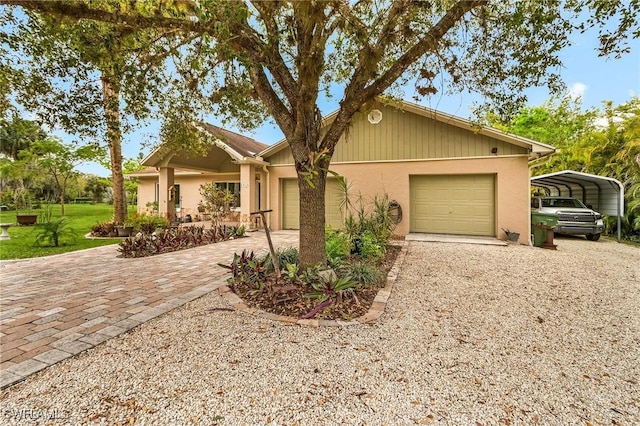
x=375 y=311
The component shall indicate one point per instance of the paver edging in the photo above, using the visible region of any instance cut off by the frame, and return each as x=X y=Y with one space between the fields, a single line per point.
x=376 y=309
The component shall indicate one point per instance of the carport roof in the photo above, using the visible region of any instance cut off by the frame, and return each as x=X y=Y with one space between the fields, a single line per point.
x=605 y=194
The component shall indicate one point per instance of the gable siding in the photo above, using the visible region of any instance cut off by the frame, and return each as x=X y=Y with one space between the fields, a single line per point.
x=407 y=136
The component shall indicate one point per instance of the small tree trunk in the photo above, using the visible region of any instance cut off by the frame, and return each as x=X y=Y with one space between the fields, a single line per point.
x=62 y=204
x=111 y=98
x=312 y=221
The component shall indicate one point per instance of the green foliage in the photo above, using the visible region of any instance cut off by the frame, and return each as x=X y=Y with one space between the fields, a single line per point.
x=604 y=142
x=217 y=200
x=17 y=134
x=370 y=228
x=284 y=255
x=51 y=231
x=97 y=187
x=333 y=288
x=240 y=231
x=365 y=273
x=146 y=223
x=58 y=161
x=169 y=240
x=337 y=245
x=284 y=52
x=291 y=273
x=368 y=246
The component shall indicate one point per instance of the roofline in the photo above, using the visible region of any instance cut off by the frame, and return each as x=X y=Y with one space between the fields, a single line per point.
x=179 y=172
x=572 y=172
x=534 y=146
x=235 y=155
x=163 y=150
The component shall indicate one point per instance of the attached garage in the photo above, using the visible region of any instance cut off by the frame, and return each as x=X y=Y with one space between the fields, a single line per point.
x=453 y=204
x=290 y=204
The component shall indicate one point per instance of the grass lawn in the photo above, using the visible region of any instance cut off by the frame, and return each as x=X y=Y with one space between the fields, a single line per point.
x=81 y=218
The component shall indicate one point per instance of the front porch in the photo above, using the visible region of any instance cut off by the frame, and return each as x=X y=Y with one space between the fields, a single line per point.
x=172 y=184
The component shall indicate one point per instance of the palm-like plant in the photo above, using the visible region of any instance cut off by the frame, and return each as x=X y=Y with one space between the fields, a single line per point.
x=52 y=231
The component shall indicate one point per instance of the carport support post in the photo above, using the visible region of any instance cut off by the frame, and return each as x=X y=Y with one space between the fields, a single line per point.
x=619 y=203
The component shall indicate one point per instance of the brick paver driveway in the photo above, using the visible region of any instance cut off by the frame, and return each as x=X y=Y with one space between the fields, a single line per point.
x=52 y=308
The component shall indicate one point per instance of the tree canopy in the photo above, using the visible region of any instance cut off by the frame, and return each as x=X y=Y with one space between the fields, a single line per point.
x=240 y=58
x=603 y=141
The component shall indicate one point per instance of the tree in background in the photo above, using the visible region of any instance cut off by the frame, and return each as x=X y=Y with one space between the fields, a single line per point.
x=559 y=122
x=97 y=187
x=616 y=153
x=92 y=79
x=17 y=171
x=132 y=165
x=58 y=161
x=282 y=56
x=603 y=142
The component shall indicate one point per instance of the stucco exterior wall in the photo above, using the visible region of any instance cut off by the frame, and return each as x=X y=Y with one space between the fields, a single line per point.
x=512 y=186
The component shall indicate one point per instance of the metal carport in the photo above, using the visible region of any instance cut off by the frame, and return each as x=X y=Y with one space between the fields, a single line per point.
x=604 y=194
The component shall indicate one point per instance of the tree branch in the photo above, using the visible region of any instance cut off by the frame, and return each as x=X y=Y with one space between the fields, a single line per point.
x=272 y=101
x=80 y=10
x=359 y=90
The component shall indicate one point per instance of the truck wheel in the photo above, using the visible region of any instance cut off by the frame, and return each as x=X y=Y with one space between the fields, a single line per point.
x=593 y=237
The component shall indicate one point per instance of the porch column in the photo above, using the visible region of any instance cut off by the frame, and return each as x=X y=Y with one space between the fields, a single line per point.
x=247 y=194
x=166 y=201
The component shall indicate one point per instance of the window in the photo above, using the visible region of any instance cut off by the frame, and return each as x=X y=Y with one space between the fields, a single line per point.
x=176 y=198
x=232 y=187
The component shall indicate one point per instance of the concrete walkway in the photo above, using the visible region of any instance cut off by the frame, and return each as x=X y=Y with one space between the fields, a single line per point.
x=52 y=308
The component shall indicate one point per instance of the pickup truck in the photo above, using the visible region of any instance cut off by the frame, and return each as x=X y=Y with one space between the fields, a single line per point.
x=574 y=218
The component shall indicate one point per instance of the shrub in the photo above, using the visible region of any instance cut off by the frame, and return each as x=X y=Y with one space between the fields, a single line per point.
x=147 y=223
x=365 y=273
x=333 y=288
x=247 y=268
x=370 y=247
x=104 y=229
x=338 y=246
x=169 y=240
x=51 y=231
x=284 y=256
x=370 y=230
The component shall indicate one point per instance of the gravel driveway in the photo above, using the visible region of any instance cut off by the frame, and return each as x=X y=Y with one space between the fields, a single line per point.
x=472 y=334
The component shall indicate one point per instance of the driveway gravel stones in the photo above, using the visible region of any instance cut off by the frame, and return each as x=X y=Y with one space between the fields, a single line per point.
x=471 y=334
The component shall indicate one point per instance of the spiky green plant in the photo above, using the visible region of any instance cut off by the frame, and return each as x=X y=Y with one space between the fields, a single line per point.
x=51 y=231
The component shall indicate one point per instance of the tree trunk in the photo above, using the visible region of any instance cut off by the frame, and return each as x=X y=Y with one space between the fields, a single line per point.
x=62 y=204
x=312 y=220
x=111 y=101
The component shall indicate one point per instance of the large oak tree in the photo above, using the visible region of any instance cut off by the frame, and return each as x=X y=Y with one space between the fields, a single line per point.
x=283 y=55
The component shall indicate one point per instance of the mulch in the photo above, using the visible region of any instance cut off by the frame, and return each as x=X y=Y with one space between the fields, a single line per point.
x=289 y=300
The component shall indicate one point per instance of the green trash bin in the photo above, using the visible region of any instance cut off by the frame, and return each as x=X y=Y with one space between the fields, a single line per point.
x=540 y=224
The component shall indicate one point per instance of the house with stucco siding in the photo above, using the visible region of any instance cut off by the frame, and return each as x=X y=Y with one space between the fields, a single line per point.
x=448 y=175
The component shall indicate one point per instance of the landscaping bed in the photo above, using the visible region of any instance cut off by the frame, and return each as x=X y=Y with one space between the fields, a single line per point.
x=293 y=301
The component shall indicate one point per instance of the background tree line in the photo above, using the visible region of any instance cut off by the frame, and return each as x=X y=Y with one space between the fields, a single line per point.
x=37 y=168
x=93 y=67
x=603 y=141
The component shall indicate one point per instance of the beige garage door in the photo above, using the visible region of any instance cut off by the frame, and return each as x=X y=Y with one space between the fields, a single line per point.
x=453 y=204
x=291 y=204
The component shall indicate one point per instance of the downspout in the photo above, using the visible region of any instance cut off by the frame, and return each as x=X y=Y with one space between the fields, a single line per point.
x=268 y=187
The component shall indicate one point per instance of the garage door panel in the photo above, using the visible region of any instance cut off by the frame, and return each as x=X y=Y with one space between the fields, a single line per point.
x=453 y=204
x=290 y=204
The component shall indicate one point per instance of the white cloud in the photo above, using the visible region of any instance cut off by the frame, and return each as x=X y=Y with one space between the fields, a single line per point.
x=577 y=90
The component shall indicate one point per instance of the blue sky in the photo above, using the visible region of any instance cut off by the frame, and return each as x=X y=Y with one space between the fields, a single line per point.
x=595 y=79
